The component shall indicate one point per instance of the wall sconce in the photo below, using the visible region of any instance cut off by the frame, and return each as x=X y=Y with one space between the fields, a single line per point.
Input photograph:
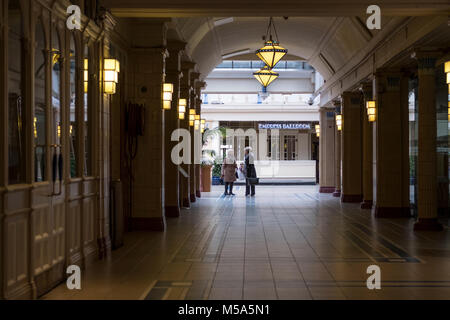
x=197 y=122
x=181 y=108
x=167 y=95
x=339 y=122
x=317 y=126
x=86 y=75
x=191 y=117
x=35 y=127
x=371 y=110
x=202 y=125
x=59 y=130
x=447 y=71
x=111 y=69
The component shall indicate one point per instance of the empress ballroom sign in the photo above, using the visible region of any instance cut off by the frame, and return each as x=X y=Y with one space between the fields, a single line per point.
x=292 y=126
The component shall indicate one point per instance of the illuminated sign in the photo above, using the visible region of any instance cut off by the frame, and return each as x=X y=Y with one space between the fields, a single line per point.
x=288 y=126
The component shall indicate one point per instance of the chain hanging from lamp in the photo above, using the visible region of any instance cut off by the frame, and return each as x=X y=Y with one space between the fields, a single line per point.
x=272 y=52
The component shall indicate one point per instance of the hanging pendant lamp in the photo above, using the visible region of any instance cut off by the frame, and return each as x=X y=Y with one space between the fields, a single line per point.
x=265 y=76
x=272 y=52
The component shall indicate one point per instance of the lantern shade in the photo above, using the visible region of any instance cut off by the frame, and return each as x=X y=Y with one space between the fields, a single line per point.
x=182 y=108
x=192 y=111
x=271 y=53
x=265 y=76
x=191 y=117
x=110 y=76
x=168 y=87
x=111 y=65
x=181 y=115
x=166 y=104
x=372 y=117
x=448 y=78
x=110 y=87
x=370 y=104
x=197 y=117
x=167 y=96
x=447 y=67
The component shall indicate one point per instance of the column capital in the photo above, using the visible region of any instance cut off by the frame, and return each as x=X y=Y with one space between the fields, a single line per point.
x=176 y=45
x=336 y=103
x=367 y=90
x=186 y=64
x=426 y=59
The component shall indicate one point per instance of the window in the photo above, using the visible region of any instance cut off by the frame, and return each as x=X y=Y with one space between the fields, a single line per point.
x=16 y=107
x=290 y=142
x=87 y=114
x=40 y=116
x=56 y=55
x=242 y=64
x=73 y=127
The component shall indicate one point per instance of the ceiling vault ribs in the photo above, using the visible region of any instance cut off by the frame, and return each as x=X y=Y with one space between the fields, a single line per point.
x=361 y=27
x=324 y=41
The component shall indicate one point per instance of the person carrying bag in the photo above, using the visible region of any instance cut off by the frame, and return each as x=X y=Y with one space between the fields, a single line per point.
x=250 y=173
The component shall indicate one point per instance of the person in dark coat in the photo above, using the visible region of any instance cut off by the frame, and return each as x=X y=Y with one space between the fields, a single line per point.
x=250 y=171
x=229 y=167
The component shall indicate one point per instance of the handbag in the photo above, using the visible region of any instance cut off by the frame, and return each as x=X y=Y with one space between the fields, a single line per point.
x=253 y=181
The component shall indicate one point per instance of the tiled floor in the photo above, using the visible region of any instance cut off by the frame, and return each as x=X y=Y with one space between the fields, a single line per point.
x=288 y=242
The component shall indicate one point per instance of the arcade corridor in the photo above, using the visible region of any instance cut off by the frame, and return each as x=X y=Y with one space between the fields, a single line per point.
x=298 y=245
x=117 y=116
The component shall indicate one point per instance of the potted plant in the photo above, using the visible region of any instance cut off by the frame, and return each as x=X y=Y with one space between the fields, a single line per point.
x=217 y=172
x=210 y=160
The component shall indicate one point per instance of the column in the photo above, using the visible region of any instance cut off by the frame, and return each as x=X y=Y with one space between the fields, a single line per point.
x=171 y=123
x=391 y=145
x=3 y=132
x=146 y=78
x=337 y=152
x=351 y=189
x=426 y=166
x=326 y=145
x=198 y=151
x=367 y=172
x=185 y=93
x=193 y=181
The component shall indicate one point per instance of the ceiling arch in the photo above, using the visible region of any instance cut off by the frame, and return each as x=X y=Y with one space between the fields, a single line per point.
x=309 y=38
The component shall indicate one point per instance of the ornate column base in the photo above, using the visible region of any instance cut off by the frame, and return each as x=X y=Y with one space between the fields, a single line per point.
x=193 y=198
x=392 y=212
x=430 y=224
x=351 y=197
x=172 y=211
x=186 y=203
x=367 y=204
x=326 y=189
x=337 y=193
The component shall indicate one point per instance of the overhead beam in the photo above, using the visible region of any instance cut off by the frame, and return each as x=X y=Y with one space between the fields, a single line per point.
x=291 y=8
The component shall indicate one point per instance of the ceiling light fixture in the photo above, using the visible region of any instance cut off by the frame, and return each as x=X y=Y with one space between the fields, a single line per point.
x=265 y=76
x=272 y=52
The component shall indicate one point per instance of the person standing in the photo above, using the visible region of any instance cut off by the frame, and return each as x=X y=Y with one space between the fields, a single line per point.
x=229 y=167
x=250 y=171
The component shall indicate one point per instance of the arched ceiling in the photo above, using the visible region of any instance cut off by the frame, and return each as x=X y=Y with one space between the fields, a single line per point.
x=325 y=42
